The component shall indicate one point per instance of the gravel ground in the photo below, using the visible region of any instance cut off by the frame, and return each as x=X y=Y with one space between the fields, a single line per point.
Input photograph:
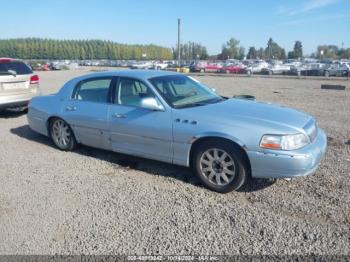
x=96 y=202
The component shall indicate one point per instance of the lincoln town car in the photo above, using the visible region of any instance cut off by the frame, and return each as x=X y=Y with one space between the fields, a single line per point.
x=171 y=117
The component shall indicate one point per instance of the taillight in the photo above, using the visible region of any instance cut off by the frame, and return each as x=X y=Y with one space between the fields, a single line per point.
x=34 y=79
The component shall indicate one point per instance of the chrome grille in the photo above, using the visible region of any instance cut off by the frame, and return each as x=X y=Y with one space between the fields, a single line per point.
x=311 y=129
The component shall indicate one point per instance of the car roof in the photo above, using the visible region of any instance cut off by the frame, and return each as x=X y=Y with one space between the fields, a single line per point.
x=140 y=74
x=7 y=59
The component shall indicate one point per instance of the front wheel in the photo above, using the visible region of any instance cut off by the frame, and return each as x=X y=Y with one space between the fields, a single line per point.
x=221 y=167
x=62 y=135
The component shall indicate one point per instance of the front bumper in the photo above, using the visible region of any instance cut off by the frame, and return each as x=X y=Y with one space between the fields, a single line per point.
x=288 y=164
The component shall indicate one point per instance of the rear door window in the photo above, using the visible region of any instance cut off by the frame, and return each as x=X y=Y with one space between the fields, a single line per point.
x=93 y=90
x=17 y=66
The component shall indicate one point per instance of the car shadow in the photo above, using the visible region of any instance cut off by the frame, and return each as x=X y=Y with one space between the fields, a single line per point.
x=12 y=113
x=135 y=163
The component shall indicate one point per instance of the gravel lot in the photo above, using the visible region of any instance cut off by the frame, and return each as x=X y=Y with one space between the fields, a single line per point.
x=97 y=202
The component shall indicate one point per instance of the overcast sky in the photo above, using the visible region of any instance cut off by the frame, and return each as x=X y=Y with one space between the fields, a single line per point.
x=209 y=22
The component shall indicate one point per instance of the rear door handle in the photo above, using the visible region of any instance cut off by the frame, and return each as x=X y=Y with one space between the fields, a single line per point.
x=116 y=115
x=71 y=108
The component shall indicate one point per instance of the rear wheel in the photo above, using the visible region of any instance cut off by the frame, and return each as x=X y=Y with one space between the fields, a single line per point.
x=62 y=135
x=221 y=167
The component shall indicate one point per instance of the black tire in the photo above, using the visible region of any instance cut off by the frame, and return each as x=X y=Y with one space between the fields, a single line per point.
x=241 y=165
x=70 y=144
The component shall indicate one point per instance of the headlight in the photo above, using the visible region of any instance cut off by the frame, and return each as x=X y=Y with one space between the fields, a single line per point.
x=284 y=142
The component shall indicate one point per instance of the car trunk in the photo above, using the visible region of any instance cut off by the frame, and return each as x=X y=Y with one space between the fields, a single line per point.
x=10 y=84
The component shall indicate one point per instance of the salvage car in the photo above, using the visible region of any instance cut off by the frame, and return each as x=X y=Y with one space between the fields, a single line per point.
x=18 y=84
x=232 y=68
x=174 y=118
x=213 y=67
x=336 y=69
x=141 y=65
x=256 y=67
x=277 y=69
x=198 y=66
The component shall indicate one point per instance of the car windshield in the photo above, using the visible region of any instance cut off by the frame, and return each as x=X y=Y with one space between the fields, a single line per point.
x=182 y=91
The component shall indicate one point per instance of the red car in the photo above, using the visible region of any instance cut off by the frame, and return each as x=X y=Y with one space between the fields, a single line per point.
x=213 y=67
x=231 y=69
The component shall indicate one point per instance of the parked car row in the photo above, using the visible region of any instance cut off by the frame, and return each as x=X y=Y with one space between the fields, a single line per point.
x=158 y=65
x=53 y=65
x=307 y=68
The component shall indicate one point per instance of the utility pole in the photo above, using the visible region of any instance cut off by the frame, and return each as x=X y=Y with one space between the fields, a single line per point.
x=178 y=42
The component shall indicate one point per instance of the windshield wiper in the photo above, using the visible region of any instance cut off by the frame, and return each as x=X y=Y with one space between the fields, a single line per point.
x=191 y=105
x=9 y=72
x=202 y=103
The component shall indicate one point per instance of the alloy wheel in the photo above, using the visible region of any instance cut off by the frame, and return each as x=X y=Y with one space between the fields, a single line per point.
x=61 y=133
x=217 y=166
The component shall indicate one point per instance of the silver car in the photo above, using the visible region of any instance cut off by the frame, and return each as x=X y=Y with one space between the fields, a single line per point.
x=18 y=83
x=174 y=118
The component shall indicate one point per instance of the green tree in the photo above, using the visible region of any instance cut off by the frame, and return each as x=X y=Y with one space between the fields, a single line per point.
x=252 y=53
x=327 y=51
x=35 y=48
x=298 y=50
x=232 y=49
x=261 y=53
x=274 y=51
x=191 y=51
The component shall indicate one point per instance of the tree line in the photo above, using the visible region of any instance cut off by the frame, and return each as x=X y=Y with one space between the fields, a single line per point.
x=191 y=51
x=233 y=49
x=38 y=48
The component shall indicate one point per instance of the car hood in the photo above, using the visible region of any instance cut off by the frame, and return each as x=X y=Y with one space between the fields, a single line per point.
x=228 y=111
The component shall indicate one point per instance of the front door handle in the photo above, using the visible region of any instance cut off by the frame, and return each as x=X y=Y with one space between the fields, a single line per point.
x=116 y=115
x=71 y=108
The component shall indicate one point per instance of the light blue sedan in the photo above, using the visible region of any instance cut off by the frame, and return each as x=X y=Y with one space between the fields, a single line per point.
x=174 y=118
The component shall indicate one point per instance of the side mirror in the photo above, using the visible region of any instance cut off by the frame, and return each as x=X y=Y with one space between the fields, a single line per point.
x=152 y=104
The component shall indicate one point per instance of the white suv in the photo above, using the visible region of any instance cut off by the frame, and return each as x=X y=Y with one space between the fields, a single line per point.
x=18 y=83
